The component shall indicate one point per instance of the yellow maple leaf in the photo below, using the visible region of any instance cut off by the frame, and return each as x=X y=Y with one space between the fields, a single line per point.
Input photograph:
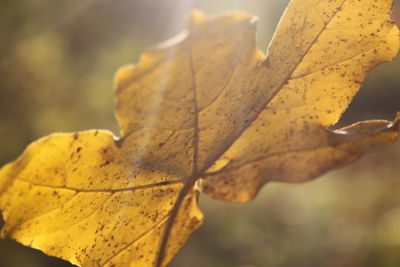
x=205 y=112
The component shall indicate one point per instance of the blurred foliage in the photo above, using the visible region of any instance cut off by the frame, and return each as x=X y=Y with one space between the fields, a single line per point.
x=57 y=61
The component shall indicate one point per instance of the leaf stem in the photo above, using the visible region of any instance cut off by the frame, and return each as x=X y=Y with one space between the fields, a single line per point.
x=174 y=213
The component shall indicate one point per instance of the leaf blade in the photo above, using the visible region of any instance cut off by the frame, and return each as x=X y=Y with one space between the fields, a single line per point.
x=304 y=98
x=101 y=222
x=207 y=105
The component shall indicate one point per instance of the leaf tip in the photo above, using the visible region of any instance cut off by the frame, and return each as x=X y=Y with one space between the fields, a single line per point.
x=121 y=76
x=196 y=17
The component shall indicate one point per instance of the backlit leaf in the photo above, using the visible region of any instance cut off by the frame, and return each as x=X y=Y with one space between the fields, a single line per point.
x=204 y=112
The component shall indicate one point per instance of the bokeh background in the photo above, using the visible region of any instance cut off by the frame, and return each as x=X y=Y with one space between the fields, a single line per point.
x=57 y=60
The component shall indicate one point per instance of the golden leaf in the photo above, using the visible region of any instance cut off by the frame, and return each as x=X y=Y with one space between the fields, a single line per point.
x=206 y=111
x=83 y=198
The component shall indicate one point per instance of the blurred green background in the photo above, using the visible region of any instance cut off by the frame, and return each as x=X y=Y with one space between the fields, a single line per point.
x=57 y=60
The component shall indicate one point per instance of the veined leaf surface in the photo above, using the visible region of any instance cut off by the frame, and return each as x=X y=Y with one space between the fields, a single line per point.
x=205 y=112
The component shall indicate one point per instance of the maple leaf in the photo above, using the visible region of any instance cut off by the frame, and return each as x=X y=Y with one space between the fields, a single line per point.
x=206 y=112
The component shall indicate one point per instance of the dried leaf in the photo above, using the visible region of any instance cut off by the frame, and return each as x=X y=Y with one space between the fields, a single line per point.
x=206 y=111
x=76 y=196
